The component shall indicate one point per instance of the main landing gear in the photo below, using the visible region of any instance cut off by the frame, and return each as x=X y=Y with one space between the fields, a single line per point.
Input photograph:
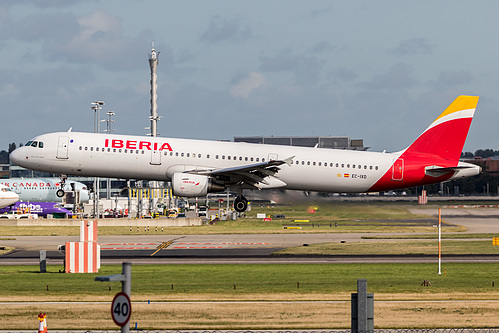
x=60 y=192
x=240 y=204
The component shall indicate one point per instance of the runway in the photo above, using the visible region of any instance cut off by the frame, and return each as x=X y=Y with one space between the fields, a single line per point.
x=244 y=248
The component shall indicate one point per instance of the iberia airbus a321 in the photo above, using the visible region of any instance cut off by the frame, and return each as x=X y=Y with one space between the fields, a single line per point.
x=198 y=167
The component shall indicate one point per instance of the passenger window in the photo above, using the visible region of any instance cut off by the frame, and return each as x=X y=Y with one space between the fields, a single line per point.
x=376 y=167
x=223 y=157
x=188 y=155
x=208 y=156
x=216 y=157
x=308 y=163
x=86 y=148
x=228 y=157
x=263 y=160
x=81 y=147
x=258 y=159
x=240 y=158
x=91 y=148
x=181 y=154
x=199 y=155
x=313 y=163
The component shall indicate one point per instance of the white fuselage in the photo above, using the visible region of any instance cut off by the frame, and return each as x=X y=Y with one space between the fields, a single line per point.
x=43 y=189
x=134 y=157
x=7 y=197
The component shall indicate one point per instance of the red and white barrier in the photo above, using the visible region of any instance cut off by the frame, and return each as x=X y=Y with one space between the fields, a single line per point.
x=84 y=256
x=88 y=231
x=423 y=199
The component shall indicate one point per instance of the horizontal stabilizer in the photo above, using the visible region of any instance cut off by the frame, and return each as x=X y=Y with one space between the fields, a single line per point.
x=437 y=171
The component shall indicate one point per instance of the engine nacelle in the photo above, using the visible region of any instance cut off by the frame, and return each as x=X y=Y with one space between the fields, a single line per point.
x=191 y=185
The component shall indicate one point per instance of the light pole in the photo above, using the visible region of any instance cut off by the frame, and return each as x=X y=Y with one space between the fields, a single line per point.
x=108 y=130
x=96 y=106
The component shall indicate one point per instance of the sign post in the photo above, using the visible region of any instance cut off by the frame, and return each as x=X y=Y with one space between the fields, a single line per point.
x=121 y=307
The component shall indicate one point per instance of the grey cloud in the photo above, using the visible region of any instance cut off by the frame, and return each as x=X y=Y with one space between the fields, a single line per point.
x=224 y=29
x=400 y=76
x=307 y=69
x=414 y=46
x=450 y=79
x=56 y=27
x=96 y=38
x=46 y=3
x=343 y=74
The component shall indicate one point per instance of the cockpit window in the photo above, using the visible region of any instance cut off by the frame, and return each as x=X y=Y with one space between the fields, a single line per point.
x=40 y=144
x=5 y=189
x=29 y=143
x=34 y=144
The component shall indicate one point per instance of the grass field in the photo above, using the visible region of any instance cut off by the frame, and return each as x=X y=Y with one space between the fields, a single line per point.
x=283 y=296
x=255 y=296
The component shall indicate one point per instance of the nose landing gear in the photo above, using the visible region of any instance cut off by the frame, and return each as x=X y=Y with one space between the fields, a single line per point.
x=60 y=192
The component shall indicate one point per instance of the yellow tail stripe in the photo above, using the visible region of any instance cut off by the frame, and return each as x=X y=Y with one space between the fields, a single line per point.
x=460 y=103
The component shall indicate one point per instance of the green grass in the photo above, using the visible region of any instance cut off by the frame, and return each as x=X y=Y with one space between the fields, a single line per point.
x=155 y=281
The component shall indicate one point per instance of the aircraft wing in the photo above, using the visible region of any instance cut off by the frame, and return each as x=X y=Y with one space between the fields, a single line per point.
x=251 y=176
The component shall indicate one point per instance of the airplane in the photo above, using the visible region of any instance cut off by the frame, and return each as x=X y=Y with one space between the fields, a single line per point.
x=39 y=208
x=7 y=197
x=198 y=167
x=44 y=189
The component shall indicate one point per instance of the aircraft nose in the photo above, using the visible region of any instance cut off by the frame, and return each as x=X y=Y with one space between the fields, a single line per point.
x=15 y=156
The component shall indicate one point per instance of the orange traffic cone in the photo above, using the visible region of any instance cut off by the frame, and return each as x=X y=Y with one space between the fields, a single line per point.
x=42 y=327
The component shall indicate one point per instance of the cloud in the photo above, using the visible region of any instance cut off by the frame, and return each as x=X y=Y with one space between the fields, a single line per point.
x=245 y=86
x=400 y=76
x=343 y=74
x=414 y=46
x=224 y=29
x=307 y=69
x=450 y=79
x=96 y=38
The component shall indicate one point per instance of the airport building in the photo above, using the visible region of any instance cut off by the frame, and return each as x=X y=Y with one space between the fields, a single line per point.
x=332 y=142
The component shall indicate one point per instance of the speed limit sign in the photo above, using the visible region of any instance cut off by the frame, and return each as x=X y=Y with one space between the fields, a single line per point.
x=121 y=309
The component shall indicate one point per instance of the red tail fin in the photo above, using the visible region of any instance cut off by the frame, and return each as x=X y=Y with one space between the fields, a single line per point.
x=445 y=137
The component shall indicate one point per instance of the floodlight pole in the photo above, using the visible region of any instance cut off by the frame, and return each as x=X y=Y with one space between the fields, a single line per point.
x=96 y=106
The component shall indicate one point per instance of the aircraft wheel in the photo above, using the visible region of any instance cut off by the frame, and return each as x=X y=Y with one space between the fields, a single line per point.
x=60 y=193
x=240 y=204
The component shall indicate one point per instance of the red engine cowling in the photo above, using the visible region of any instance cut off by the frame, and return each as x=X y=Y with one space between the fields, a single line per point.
x=191 y=185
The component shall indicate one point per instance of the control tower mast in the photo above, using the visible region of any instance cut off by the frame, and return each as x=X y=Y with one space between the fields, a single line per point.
x=153 y=64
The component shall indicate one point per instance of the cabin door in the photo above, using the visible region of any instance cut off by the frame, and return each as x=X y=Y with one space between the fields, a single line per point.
x=62 y=147
x=398 y=170
x=155 y=157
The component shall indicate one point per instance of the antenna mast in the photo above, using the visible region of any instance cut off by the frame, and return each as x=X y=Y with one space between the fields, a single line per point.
x=153 y=64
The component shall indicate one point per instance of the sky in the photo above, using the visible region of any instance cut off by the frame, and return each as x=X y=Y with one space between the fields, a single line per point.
x=380 y=71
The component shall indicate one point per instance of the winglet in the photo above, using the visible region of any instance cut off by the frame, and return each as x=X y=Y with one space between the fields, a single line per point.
x=289 y=160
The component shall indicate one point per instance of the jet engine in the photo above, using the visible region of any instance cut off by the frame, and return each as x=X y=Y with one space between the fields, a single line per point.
x=191 y=185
